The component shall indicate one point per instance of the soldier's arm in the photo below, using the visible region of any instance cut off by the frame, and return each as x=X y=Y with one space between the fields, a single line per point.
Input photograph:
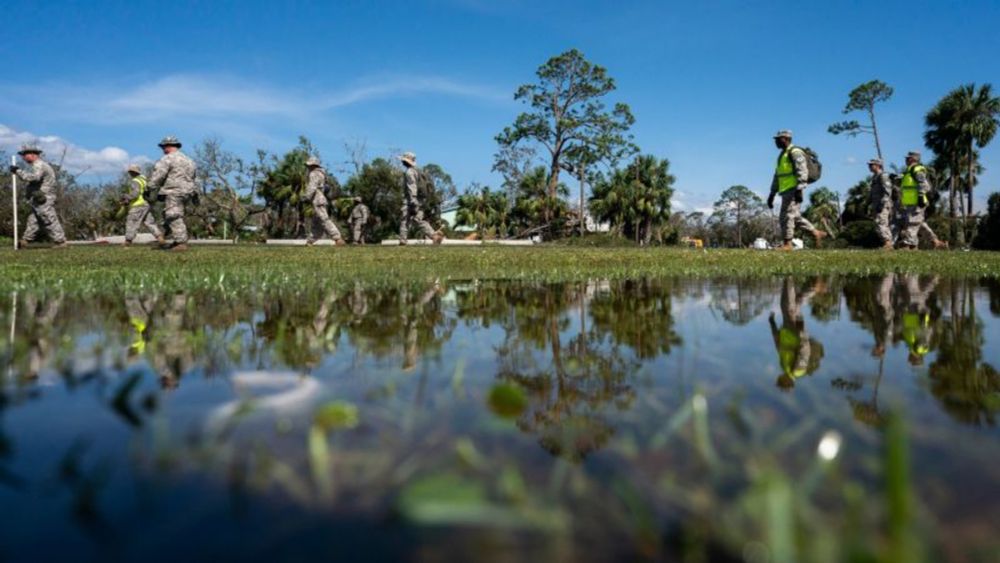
x=30 y=173
x=801 y=167
x=774 y=184
x=411 y=181
x=923 y=183
x=159 y=174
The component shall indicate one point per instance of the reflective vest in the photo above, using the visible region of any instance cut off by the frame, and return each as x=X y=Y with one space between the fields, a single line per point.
x=785 y=171
x=915 y=325
x=140 y=200
x=789 y=343
x=139 y=344
x=909 y=189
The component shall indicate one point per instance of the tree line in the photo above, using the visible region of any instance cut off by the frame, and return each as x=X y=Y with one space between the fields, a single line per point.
x=567 y=162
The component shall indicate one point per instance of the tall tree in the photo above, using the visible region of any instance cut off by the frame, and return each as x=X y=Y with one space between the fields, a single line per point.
x=485 y=209
x=863 y=98
x=824 y=208
x=737 y=205
x=569 y=119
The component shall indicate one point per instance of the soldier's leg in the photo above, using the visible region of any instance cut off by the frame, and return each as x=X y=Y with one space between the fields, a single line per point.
x=909 y=227
x=49 y=220
x=422 y=225
x=173 y=215
x=882 y=226
x=31 y=228
x=786 y=221
x=150 y=222
x=356 y=234
x=927 y=230
x=132 y=222
x=404 y=221
x=329 y=227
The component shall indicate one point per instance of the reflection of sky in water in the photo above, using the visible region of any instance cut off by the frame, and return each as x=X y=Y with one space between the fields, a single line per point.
x=421 y=364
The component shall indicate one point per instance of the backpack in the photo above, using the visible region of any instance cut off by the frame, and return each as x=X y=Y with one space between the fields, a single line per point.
x=813 y=164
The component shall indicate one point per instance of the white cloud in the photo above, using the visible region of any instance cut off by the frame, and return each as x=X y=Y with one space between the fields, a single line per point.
x=76 y=159
x=203 y=96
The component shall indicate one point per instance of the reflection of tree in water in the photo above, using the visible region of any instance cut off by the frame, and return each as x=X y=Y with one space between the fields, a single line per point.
x=741 y=300
x=967 y=387
x=574 y=380
x=993 y=287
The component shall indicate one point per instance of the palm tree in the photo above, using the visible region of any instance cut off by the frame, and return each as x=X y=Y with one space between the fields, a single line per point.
x=636 y=199
x=486 y=210
x=964 y=119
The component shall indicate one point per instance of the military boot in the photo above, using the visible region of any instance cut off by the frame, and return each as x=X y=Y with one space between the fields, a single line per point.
x=786 y=246
x=437 y=237
x=161 y=240
x=180 y=247
x=819 y=235
x=887 y=246
x=60 y=245
x=940 y=245
x=339 y=242
x=22 y=244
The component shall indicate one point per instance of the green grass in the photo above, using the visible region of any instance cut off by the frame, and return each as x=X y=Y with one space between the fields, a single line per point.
x=104 y=269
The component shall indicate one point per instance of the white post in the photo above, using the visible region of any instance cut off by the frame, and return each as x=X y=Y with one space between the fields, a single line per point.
x=13 y=161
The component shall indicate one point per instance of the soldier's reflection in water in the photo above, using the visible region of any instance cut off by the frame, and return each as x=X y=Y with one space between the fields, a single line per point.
x=798 y=354
x=138 y=311
x=414 y=316
x=173 y=356
x=916 y=328
x=40 y=313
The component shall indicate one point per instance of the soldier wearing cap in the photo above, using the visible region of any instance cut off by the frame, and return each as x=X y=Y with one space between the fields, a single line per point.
x=412 y=211
x=40 y=191
x=314 y=195
x=791 y=176
x=359 y=218
x=881 y=202
x=914 y=188
x=173 y=175
x=139 y=213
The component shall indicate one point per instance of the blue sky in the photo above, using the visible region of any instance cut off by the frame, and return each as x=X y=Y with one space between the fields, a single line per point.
x=708 y=82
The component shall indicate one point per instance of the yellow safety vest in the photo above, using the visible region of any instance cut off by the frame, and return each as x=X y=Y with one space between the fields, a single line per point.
x=141 y=180
x=913 y=325
x=788 y=351
x=909 y=188
x=785 y=171
x=139 y=344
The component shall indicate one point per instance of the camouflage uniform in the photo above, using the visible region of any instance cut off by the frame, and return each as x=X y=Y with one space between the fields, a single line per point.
x=790 y=216
x=314 y=195
x=41 y=194
x=792 y=342
x=173 y=176
x=411 y=211
x=914 y=219
x=881 y=202
x=139 y=211
x=359 y=218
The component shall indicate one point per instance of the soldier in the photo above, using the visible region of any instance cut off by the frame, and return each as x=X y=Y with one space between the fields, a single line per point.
x=359 y=218
x=314 y=195
x=914 y=188
x=916 y=326
x=791 y=176
x=798 y=354
x=173 y=176
x=412 y=210
x=881 y=202
x=41 y=194
x=139 y=213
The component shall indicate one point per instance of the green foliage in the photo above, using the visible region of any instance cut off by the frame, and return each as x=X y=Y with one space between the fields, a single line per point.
x=863 y=98
x=824 y=209
x=988 y=235
x=739 y=217
x=487 y=210
x=635 y=200
x=281 y=187
x=860 y=233
x=568 y=118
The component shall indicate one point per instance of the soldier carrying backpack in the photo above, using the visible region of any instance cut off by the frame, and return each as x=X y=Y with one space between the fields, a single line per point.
x=797 y=167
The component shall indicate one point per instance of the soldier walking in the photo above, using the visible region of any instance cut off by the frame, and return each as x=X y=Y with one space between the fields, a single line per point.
x=412 y=211
x=139 y=213
x=913 y=191
x=881 y=202
x=314 y=196
x=359 y=218
x=791 y=176
x=40 y=192
x=173 y=176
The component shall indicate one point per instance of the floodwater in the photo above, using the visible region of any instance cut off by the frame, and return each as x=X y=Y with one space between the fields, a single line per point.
x=743 y=419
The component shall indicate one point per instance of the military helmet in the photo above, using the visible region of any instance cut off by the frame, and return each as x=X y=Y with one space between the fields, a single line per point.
x=786 y=133
x=170 y=141
x=357 y=199
x=409 y=158
x=913 y=154
x=313 y=161
x=134 y=168
x=875 y=161
x=29 y=148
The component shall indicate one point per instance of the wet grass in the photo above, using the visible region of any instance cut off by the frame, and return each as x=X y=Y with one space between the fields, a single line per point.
x=104 y=269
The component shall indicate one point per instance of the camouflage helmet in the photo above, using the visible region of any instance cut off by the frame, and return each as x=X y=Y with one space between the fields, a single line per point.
x=914 y=155
x=409 y=158
x=313 y=161
x=170 y=141
x=29 y=148
x=134 y=169
x=784 y=133
x=875 y=161
x=357 y=199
